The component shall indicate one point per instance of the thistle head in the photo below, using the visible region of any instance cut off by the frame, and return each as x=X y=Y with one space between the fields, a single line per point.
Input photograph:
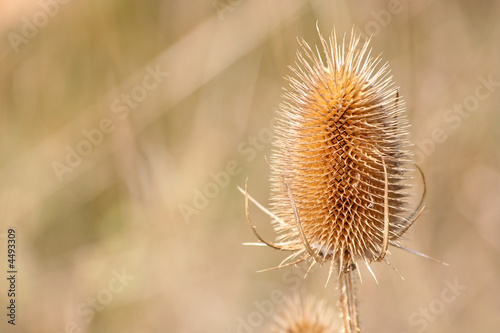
x=304 y=315
x=341 y=157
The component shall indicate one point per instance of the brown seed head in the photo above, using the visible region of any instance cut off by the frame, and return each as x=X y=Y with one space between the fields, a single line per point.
x=304 y=315
x=341 y=157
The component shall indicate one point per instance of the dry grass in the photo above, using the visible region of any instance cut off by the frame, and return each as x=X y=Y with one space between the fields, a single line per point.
x=119 y=208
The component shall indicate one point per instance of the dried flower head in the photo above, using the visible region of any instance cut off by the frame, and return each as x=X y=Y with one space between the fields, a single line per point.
x=304 y=315
x=341 y=160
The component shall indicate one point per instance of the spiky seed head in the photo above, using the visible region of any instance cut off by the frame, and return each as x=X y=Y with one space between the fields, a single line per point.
x=341 y=156
x=304 y=315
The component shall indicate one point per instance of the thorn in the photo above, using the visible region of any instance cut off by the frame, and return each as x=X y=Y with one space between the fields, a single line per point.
x=419 y=254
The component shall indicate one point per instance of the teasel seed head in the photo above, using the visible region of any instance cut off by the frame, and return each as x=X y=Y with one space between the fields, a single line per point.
x=341 y=158
x=305 y=315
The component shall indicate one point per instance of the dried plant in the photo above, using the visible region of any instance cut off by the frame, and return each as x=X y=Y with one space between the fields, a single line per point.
x=304 y=315
x=341 y=164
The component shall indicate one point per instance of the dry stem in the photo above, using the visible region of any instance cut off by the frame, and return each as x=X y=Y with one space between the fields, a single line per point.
x=348 y=301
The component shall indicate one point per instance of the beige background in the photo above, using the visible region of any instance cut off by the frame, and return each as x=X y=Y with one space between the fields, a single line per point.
x=117 y=210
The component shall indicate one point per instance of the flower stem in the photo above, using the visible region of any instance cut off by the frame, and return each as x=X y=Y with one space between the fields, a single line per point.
x=348 y=301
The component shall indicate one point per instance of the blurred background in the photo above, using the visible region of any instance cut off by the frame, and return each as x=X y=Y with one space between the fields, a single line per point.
x=126 y=127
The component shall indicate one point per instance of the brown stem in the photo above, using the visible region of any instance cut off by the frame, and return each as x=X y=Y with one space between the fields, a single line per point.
x=348 y=301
